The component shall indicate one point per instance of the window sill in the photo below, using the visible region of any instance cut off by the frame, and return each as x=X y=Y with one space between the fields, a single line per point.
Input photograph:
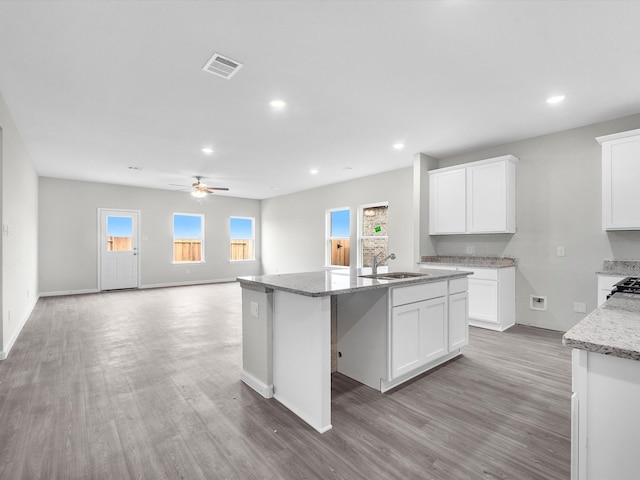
x=202 y=262
x=243 y=261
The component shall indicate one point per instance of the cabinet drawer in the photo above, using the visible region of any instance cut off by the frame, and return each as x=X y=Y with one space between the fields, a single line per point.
x=481 y=273
x=417 y=293
x=458 y=285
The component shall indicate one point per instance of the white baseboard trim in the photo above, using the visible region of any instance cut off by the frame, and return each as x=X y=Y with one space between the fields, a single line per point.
x=141 y=287
x=186 y=284
x=69 y=292
x=5 y=353
x=386 y=386
x=262 y=388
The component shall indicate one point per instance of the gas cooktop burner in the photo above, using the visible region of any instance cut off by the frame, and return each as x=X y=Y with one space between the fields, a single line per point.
x=628 y=285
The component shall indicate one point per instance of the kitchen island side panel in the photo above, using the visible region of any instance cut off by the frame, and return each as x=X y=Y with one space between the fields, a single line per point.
x=257 y=332
x=302 y=356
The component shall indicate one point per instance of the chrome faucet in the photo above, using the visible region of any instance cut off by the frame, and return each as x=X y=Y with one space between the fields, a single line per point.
x=375 y=262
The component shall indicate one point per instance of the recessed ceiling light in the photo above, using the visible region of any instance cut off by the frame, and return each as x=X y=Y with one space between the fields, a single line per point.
x=207 y=150
x=277 y=104
x=313 y=171
x=399 y=146
x=556 y=99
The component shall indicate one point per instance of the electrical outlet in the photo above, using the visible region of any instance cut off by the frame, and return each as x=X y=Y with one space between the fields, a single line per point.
x=579 y=307
x=470 y=250
x=561 y=251
x=254 y=309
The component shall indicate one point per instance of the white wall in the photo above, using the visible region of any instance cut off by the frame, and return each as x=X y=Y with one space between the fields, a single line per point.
x=69 y=232
x=293 y=226
x=558 y=188
x=19 y=187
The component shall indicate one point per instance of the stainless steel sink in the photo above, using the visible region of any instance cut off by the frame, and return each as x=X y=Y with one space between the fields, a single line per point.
x=396 y=275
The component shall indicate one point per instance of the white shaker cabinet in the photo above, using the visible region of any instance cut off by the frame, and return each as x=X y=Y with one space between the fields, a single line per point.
x=447 y=201
x=418 y=334
x=491 y=295
x=458 y=320
x=477 y=197
x=620 y=180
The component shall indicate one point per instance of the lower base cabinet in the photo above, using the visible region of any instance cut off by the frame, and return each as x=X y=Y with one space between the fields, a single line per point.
x=418 y=334
x=458 y=320
x=384 y=338
x=604 y=417
x=492 y=295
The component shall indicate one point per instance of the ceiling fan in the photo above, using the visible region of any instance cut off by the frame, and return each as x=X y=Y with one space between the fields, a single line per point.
x=201 y=190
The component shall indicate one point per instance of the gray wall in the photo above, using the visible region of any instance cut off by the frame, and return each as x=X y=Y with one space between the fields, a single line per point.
x=69 y=232
x=558 y=189
x=293 y=226
x=19 y=188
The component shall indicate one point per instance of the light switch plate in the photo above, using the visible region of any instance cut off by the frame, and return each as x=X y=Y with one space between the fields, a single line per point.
x=254 y=309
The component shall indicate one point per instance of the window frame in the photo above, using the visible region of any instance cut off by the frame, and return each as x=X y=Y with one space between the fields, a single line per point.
x=253 y=239
x=329 y=238
x=362 y=237
x=202 y=239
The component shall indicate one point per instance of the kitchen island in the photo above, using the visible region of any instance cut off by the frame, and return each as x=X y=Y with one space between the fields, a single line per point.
x=606 y=390
x=387 y=331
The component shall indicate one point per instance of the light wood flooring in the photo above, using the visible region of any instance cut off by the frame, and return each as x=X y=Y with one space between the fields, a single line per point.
x=145 y=384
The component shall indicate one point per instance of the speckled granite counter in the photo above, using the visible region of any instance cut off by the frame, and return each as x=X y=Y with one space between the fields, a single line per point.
x=339 y=281
x=625 y=268
x=471 y=261
x=612 y=329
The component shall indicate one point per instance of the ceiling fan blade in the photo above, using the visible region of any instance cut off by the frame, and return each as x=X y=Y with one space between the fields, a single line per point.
x=181 y=186
x=210 y=189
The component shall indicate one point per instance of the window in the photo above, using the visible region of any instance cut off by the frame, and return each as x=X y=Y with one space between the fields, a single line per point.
x=241 y=232
x=119 y=233
x=374 y=233
x=188 y=238
x=338 y=237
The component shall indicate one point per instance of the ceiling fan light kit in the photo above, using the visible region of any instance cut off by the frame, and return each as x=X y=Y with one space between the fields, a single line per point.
x=201 y=190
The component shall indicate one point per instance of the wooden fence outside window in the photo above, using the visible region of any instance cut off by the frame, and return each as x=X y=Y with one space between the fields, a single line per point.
x=118 y=244
x=187 y=250
x=241 y=249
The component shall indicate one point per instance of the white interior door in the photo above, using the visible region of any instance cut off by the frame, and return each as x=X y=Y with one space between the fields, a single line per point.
x=118 y=234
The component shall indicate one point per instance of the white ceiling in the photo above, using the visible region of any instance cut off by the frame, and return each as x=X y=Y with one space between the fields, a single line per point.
x=98 y=86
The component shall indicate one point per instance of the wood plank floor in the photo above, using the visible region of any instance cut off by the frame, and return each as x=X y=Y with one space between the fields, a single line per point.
x=145 y=384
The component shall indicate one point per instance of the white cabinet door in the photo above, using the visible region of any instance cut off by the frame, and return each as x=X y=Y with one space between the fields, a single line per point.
x=483 y=300
x=405 y=338
x=458 y=321
x=620 y=179
x=447 y=202
x=433 y=329
x=418 y=334
x=487 y=198
x=477 y=197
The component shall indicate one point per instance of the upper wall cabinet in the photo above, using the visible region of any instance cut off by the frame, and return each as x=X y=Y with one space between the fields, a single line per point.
x=477 y=197
x=620 y=180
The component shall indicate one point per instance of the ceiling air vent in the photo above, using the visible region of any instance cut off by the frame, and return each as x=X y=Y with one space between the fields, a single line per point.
x=222 y=66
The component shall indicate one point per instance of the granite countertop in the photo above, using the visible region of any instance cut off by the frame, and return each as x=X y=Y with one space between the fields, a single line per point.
x=624 y=268
x=346 y=280
x=611 y=329
x=471 y=261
